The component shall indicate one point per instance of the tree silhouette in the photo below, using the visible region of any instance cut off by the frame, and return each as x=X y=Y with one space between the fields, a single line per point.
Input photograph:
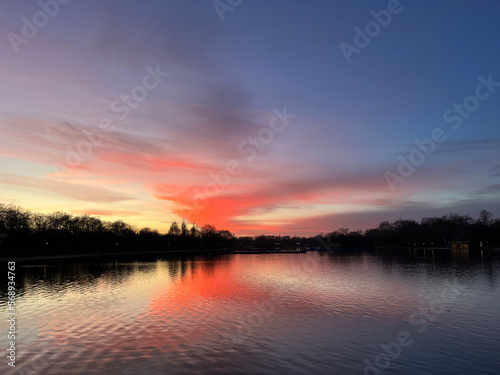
x=184 y=230
x=485 y=218
x=174 y=229
x=24 y=233
x=194 y=231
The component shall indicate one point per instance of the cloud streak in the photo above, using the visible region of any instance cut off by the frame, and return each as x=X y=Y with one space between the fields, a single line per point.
x=69 y=190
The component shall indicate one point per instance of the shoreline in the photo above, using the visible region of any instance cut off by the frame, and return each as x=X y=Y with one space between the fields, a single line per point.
x=226 y=251
x=163 y=252
x=100 y=255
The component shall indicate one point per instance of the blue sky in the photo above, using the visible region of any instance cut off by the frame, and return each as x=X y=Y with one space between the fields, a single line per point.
x=325 y=170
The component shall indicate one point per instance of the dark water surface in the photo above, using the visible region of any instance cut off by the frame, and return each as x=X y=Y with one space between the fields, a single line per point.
x=313 y=313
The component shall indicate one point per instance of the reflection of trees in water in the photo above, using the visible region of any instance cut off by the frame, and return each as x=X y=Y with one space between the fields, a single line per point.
x=189 y=264
x=76 y=274
x=58 y=275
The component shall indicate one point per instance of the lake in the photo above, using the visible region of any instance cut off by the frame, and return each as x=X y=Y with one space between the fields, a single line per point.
x=311 y=313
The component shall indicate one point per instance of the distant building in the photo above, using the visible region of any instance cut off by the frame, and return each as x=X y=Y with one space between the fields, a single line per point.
x=460 y=245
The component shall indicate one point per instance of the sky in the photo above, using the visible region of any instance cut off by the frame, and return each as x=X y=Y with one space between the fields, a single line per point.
x=261 y=117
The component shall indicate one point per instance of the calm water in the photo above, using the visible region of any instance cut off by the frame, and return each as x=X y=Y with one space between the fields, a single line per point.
x=314 y=313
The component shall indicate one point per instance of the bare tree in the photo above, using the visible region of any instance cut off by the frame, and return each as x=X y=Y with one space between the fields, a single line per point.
x=485 y=218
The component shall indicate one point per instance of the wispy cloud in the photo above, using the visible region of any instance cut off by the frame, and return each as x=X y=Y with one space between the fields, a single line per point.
x=98 y=212
x=70 y=190
x=495 y=171
x=469 y=145
x=490 y=190
x=223 y=83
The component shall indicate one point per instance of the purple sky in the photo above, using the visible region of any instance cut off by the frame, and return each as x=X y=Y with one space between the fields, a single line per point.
x=156 y=111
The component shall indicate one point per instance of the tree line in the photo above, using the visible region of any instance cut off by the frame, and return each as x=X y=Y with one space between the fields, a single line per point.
x=24 y=233
x=431 y=232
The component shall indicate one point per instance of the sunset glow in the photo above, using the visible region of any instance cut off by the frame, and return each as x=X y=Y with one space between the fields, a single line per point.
x=161 y=113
